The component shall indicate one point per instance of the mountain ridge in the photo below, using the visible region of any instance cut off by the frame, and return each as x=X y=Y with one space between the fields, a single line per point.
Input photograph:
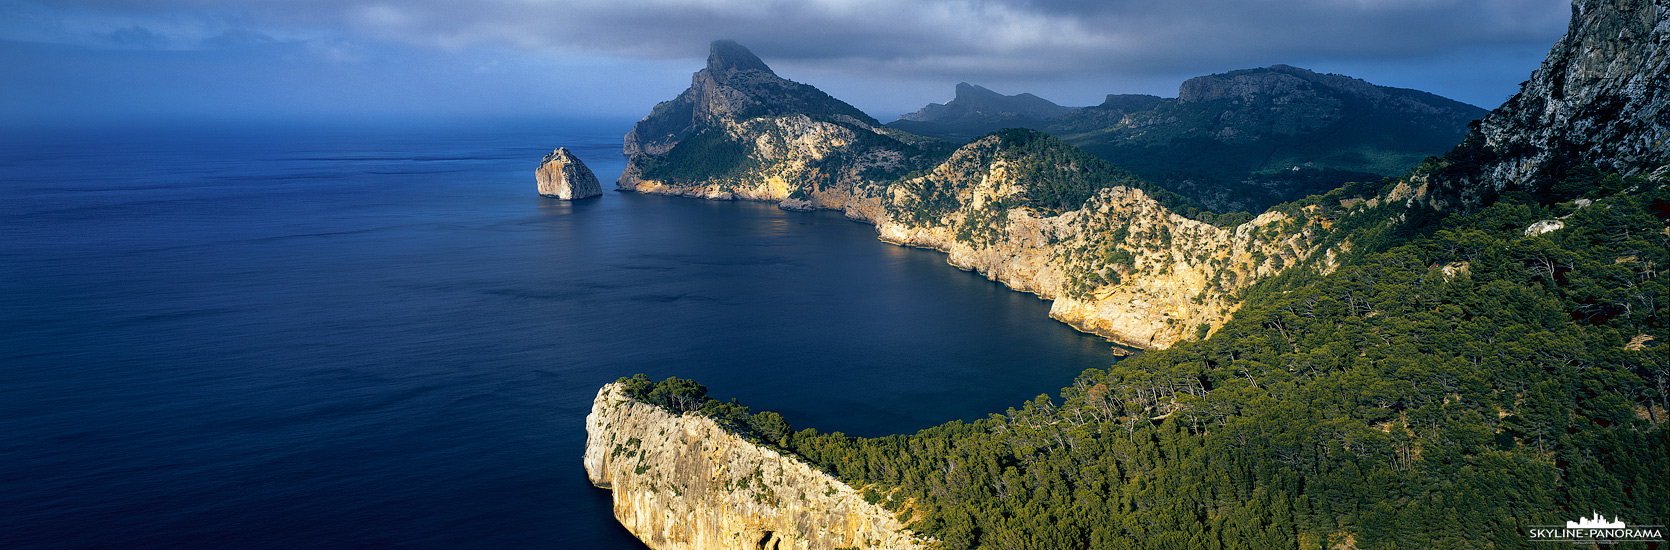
x=1246 y=139
x=976 y=111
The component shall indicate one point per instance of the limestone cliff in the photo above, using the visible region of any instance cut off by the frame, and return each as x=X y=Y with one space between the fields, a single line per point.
x=563 y=176
x=1122 y=265
x=682 y=482
x=1602 y=96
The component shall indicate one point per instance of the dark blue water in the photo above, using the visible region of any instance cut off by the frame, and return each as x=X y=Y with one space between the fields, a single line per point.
x=381 y=337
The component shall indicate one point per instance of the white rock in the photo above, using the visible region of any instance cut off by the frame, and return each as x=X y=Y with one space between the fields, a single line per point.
x=1545 y=226
x=563 y=176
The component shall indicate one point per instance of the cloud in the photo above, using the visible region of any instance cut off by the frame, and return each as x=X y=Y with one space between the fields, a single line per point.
x=137 y=37
x=995 y=37
x=886 y=56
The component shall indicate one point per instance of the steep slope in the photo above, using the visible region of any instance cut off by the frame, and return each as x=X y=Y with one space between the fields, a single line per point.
x=1020 y=207
x=1602 y=97
x=736 y=85
x=977 y=111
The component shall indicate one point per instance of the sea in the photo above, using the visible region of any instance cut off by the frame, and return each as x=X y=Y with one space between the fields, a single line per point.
x=378 y=335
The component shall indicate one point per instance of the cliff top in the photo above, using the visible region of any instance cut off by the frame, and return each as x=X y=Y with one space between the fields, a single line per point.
x=727 y=55
x=560 y=153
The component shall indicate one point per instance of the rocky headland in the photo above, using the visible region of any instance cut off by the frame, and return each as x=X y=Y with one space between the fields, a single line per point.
x=682 y=482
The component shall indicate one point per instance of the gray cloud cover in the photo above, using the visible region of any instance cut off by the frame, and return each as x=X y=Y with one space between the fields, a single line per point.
x=989 y=36
x=992 y=41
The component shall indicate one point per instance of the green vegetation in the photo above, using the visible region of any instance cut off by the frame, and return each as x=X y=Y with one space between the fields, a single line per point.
x=1453 y=382
x=680 y=396
x=674 y=394
x=1057 y=177
x=1060 y=177
x=709 y=154
x=778 y=97
x=668 y=120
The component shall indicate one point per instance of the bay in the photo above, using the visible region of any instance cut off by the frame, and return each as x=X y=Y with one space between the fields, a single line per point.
x=378 y=335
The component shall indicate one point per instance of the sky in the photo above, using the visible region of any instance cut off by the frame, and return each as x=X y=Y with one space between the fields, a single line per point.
x=93 y=60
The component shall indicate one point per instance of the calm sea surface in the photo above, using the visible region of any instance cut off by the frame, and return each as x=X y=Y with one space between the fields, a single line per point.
x=382 y=337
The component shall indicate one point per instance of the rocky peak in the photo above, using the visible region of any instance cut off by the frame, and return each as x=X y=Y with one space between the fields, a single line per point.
x=735 y=88
x=1600 y=97
x=727 y=56
x=736 y=85
x=970 y=92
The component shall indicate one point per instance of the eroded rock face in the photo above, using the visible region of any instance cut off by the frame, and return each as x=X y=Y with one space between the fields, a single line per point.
x=684 y=483
x=1602 y=96
x=563 y=176
x=1121 y=266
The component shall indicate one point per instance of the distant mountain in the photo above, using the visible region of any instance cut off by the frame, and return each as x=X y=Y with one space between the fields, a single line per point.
x=1242 y=140
x=977 y=111
x=1248 y=139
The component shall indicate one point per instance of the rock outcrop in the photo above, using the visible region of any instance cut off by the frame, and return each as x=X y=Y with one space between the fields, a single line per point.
x=563 y=176
x=1602 y=97
x=682 y=482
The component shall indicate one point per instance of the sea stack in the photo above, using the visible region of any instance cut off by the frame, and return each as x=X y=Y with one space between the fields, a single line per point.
x=563 y=176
